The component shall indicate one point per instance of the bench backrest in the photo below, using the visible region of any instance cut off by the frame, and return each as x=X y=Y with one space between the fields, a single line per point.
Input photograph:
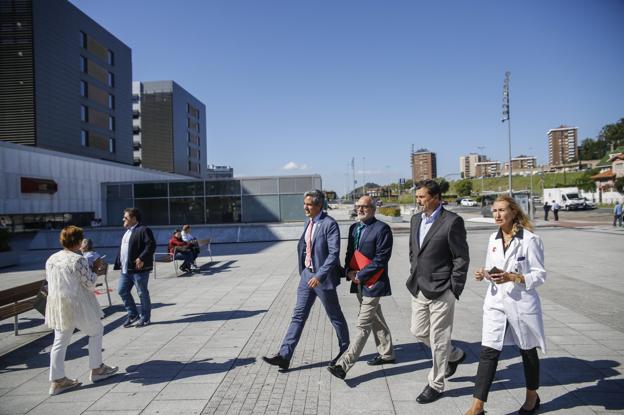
x=21 y=292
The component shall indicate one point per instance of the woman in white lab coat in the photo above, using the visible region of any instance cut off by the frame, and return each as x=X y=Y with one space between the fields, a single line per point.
x=512 y=313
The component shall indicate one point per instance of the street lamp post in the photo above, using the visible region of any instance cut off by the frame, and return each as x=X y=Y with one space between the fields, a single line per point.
x=506 y=117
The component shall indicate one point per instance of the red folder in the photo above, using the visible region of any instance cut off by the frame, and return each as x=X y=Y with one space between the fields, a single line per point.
x=359 y=261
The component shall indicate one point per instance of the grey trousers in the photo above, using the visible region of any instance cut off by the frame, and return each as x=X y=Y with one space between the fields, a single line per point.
x=370 y=318
x=432 y=324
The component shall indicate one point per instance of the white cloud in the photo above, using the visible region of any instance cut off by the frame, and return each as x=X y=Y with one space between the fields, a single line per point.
x=291 y=165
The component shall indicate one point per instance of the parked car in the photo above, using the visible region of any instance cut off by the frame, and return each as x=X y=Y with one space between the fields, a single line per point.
x=588 y=204
x=468 y=202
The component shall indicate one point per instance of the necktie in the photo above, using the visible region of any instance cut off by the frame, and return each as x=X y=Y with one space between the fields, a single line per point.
x=308 y=241
x=358 y=232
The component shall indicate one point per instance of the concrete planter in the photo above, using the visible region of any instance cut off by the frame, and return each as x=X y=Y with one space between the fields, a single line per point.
x=8 y=259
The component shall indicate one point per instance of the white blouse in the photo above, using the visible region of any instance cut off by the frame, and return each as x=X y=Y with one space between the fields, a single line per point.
x=71 y=299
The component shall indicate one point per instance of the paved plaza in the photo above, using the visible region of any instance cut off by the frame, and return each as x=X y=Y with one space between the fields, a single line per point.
x=202 y=352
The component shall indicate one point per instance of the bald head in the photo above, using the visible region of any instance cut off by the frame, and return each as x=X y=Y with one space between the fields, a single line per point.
x=365 y=208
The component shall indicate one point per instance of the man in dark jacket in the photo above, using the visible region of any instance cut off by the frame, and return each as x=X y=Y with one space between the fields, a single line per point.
x=370 y=241
x=135 y=260
x=439 y=260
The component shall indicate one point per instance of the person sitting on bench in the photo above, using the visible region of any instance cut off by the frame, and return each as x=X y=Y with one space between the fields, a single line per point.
x=188 y=237
x=183 y=251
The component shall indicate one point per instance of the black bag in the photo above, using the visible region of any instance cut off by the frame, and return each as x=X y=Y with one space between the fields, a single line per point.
x=40 y=301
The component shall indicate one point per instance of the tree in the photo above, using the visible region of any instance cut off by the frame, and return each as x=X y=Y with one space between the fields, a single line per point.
x=613 y=134
x=593 y=149
x=585 y=182
x=463 y=187
x=619 y=184
x=444 y=185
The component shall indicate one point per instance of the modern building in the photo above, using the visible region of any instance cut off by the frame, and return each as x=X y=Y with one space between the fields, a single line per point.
x=424 y=165
x=467 y=164
x=562 y=145
x=219 y=172
x=65 y=83
x=169 y=129
x=521 y=165
x=487 y=169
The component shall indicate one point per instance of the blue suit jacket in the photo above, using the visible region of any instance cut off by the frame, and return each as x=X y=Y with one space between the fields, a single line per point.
x=325 y=253
x=376 y=244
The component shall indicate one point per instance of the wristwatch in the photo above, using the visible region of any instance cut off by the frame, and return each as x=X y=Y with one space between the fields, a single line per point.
x=518 y=279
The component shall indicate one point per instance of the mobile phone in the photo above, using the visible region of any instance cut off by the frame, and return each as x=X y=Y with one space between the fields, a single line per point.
x=495 y=270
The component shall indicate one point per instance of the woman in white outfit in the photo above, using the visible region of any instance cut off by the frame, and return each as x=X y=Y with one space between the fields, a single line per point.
x=512 y=313
x=72 y=304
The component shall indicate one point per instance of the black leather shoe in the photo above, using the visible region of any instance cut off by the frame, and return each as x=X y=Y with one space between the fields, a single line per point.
x=378 y=360
x=451 y=367
x=130 y=321
x=530 y=411
x=337 y=371
x=428 y=395
x=142 y=323
x=335 y=359
x=277 y=360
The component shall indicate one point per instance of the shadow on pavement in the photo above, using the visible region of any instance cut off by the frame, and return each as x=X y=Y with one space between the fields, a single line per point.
x=24 y=323
x=212 y=316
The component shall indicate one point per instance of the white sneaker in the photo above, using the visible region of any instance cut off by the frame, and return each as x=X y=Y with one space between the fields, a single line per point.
x=105 y=372
x=63 y=385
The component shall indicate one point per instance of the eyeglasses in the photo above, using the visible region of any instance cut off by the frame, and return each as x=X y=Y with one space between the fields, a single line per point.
x=363 y=206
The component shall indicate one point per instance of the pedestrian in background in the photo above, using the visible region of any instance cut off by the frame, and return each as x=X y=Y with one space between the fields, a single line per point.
x=512 y=312
x=555 y=209
x=546 y=209
x=439 y=259
x=71 y=304
x=617 y=213
x=135 y=260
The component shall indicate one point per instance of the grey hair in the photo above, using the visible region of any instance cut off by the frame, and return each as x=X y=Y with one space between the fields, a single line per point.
x=318 y=197
x=88 y=244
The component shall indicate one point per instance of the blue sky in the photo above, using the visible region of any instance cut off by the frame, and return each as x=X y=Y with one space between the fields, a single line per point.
x=299 y=87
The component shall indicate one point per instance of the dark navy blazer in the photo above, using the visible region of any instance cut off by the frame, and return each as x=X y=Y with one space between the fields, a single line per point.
x=325 y=253
x=376 y=244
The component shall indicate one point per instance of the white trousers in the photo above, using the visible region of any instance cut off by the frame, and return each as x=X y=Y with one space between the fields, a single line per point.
x=432 y=324
x=59 y=349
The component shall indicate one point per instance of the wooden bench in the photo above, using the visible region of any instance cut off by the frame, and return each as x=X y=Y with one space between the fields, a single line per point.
x=18 y=300
x=168 y=257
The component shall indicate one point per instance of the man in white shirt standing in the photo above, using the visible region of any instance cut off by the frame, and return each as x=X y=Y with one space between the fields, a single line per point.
x=135 y=260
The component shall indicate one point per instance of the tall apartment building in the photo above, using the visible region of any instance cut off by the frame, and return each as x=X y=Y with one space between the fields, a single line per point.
x=424 y=165
x=169 y=128
x=562 y=145
x=487 y=169
x=66 y=81
x=467 y=164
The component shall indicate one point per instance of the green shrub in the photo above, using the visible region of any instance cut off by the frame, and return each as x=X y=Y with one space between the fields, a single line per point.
x=389 y=211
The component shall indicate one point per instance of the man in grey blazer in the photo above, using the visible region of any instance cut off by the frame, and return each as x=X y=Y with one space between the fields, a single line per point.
x=319 y=267
x=438 y=266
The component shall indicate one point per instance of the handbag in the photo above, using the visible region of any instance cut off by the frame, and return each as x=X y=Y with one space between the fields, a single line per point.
x=40 y=301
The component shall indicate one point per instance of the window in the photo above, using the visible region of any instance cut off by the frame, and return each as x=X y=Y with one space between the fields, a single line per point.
x=111 y=123
x=111 y=79
x=110 y=57
x=83 y=64
x=84 y=113
x=135 y=98
x=83 y=40
x=111 y=101
x=84 y=138
x=84 y=89
x=111 y=145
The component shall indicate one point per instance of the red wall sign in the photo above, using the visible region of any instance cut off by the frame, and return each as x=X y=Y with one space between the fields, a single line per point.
x=32 y=185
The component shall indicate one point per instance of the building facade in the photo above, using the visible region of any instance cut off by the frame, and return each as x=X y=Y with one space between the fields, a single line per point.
x=66 y=81
x=487 y=169
x=424 y=166
x=219 y=172
x=169 y=129
x=521 y=165
x=468 y=165
x=562 y=145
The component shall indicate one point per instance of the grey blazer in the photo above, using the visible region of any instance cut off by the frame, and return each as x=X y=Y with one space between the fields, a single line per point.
x=441 y=263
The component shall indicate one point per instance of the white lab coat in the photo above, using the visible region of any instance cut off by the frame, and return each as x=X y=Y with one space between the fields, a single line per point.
x=512 y=313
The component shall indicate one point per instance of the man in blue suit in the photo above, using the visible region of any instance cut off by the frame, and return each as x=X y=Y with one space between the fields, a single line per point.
x=319 y=266
x=373 y=239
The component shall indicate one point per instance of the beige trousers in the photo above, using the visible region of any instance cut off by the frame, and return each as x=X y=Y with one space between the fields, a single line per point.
x=432 y=324
x=370 y=318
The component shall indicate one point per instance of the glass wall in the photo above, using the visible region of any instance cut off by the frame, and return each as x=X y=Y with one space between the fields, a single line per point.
x=247 y=200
